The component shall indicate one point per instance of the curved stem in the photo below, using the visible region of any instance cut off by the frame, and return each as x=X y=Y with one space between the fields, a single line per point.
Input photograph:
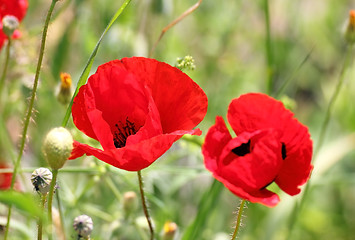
x=50 y=200
x=144 y=205
x=173 y=23
x=239 y=219
x=30 y=107
x=298 y=207
x=7 y=58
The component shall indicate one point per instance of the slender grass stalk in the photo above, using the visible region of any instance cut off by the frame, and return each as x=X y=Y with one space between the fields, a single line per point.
x=84 y=75
x=268 y=48
x=144 y=205
x=6 y=65
x=298 y=207
x=173 y=23
x=40 y=221
x=50 y=200
x=293 y=75
x=30 y=108
x=239 y=219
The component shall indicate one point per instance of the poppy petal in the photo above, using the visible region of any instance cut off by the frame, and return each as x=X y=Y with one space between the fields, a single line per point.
x=297 y=165
x=188 y=106
x=217 y=137
x=131 y=157
x=254 y=111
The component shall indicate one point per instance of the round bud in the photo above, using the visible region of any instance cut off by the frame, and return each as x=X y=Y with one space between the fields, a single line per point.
x=57 y=147
x=130 y=202
x=9 y=25
x=169 y=231
x=83 y=225
x=41 y=179
x=350 y=29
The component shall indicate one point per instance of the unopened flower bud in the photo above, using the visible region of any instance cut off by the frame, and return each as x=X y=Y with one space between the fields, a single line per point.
x=65 y=89
x=41 y=179
x=130 y=202
x=57 y=147
x=186 y=63
x=350 y=29
x=169 y=231
x=83 y=225
x=9 y=25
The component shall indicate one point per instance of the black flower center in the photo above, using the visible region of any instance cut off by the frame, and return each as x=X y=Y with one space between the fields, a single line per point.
x=242 y=150
x=283 y=151
x=123 y=131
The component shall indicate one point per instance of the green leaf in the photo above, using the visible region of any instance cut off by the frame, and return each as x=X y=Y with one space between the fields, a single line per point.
x=84 y=75
x=22 y=201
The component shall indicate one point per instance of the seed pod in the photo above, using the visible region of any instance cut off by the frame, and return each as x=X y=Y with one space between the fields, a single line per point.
x=83 y=225
x=57 y=147
x=41 y=179
x=9 y=25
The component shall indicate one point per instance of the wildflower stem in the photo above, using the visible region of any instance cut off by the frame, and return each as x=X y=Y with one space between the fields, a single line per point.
x=268 y=48
x=173 y=23
x=50 y=200
x=84 y=75
x=40 y=221
x=7 y=58
x=30 y=108
x=144 y=205
x=298 y=207
x=239 y=218
x=347 y=62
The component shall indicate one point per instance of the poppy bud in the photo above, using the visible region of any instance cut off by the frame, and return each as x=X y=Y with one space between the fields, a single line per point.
x=65 y=89
x=350 y=29
x=170 y=231
x=9 y=25
x=41 y=179
x=57 y=147
x=83 y=225
x=186 y=63
x=130 y=202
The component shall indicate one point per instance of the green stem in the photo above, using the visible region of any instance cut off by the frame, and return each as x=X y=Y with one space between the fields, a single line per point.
x=60 y=213
x=7 y=58
x=347 y=61
x=239 y=219
x=40 y=221
x=50 y=200
x=269 y=54
x=30 y=107
x=84 y=75
x=144 y=205
x=298 y=207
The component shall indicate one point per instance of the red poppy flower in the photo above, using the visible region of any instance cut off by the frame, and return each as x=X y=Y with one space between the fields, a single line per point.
x=136 y=108
x=15 y=8
x=271 y=146
x=5 y=178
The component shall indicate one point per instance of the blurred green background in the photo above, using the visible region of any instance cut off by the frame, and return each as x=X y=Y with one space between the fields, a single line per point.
x=228 y=42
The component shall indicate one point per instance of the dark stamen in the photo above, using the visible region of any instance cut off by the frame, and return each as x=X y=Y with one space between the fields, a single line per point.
x=283 y=151
x=123 y=132
x=242 y=150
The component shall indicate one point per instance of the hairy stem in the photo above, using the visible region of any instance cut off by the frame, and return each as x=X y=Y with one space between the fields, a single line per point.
x=239 y=219
x=144 y=205
x=30 y=108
